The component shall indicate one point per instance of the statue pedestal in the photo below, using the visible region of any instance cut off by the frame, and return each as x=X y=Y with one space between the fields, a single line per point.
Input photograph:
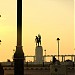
x=39 y=54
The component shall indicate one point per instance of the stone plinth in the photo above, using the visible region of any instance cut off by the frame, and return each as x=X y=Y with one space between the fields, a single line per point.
x=39 y=54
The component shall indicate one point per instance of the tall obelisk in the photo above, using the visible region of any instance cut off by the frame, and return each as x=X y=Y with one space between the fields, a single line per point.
x=19 y=55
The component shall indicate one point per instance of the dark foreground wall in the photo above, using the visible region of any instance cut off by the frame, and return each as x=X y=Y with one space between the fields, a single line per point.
x=29 y=71
x=36 y=71
x=1 y=70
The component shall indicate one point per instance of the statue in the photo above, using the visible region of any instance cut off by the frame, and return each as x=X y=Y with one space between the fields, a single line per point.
x=38 y=40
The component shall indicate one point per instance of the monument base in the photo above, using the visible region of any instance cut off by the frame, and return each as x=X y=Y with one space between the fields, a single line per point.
x=39 y=54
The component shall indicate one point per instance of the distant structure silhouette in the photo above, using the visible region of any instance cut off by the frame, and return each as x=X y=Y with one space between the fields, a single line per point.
x=38 y=40
x=54 y=59
x=19 y=54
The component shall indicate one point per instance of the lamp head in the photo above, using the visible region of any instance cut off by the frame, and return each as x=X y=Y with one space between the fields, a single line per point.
x=58 y=39
x=0 y=40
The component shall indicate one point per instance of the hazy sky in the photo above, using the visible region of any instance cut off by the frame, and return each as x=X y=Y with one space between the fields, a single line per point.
x=50 y=18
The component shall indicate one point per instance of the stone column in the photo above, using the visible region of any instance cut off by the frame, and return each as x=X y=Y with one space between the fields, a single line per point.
x=72 y=58
x=62 y=59
x=19 y=54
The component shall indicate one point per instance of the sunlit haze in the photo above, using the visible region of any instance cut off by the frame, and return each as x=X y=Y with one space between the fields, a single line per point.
x=51 y=19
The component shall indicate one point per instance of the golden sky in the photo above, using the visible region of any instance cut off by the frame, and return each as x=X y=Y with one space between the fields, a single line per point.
x=50 y=18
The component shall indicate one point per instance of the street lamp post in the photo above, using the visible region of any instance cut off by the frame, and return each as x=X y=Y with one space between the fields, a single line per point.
x=0 y=16
x=45 y=55
x=58 y=47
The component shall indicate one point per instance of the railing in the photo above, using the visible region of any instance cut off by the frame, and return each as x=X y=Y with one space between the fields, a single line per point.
x=51 y=56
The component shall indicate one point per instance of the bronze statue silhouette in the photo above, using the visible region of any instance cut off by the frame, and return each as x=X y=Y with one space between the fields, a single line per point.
x=38 y=40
